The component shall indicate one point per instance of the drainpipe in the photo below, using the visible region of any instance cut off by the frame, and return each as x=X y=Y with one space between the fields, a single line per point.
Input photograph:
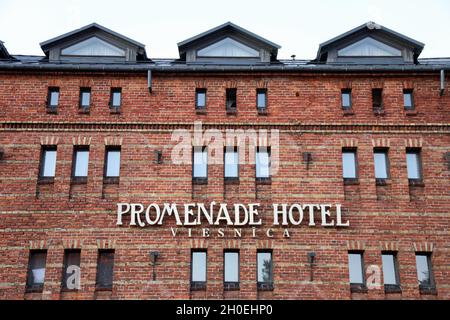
x=441 y=92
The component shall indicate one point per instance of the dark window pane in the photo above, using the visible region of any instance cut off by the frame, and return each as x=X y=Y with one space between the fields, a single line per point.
x=105 y=265
x=261 y=98
x=36 y=270
x=198 y=266
x=377 y=99
x=265 y=267
x=231 y=266
x=71 y=270
x=355 y=267
x=231 y=99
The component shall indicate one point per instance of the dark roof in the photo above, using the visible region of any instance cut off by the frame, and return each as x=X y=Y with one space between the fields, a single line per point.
x=41 y=63
x=3 y=52
x=368 y=27
x=225 y=26
x=47 y=44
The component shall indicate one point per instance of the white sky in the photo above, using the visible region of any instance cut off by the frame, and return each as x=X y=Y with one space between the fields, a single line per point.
x=298 y=26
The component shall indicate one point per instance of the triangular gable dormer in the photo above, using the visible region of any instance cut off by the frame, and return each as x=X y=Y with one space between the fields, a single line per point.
x=94 y=44
x=370 y=43
x=228 y=44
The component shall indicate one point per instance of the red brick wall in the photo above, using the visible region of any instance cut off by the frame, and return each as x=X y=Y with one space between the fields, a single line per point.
x=305 y=108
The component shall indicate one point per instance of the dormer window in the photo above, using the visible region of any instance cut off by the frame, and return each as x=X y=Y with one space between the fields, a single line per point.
x=369 y=47
x=93 y=47
x=228 y=48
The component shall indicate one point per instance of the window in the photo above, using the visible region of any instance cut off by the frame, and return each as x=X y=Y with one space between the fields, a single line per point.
x=262 y=163
x=36 y=270
x=48 y=163
x=200 y=99
x=231 y=163
x=408 y=99
x=381 y=164
x=112 y=164
x=53 y=98
x=81 y=162
x=200 y=164
x=390 y=272
x=116 y=98
x=105 y=268
x=346 y=99
x=265 y=270
x=261 y=99
x=424 y=271
x=231 y=100
x=85 y=98
x=356 y=271
x=349 y=168
x=71 y=270
x=414 y=165
x=377 y=99
x=198 y=270
x=231 y=270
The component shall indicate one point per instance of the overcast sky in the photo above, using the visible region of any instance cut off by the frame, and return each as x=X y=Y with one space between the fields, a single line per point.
x=298 y=26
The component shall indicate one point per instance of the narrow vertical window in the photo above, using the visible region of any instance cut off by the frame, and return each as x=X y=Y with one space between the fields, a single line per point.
x=200 y=99
x=356 y=271
x=414 y=165
x=231 y=103
x=262 y=163
x=346 y=99
x=349 y=165
x=198 y=270
x=53 y=98
x=265 y=270
x=36 y=270
x=390 y=272
x=231 y=165
x=115 y=101
x=200 y=164
x=71 y=270
x=377 y=100
x=48 y=163
x=105 y=269
x=80 y=163
x=408 y=99
x=112 y=164
x=425 y=273
x=380 y=157
x=85 y=98
x=261 y=100
x=231 y=270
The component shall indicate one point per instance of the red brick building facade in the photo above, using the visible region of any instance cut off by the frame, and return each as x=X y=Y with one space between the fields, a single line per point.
x=397 y=215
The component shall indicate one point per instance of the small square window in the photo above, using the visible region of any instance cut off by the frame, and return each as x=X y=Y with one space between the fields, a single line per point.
x=261 y=99
x=85 y=98
x=105 y=269
x=116 y=98
x=408 y=99
x=346 y=99
x=231 y=102
x=36 y=270
x=377 y=99
x=200 y=99
x=71 y=270
x=48 y=163
x=53 y=98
